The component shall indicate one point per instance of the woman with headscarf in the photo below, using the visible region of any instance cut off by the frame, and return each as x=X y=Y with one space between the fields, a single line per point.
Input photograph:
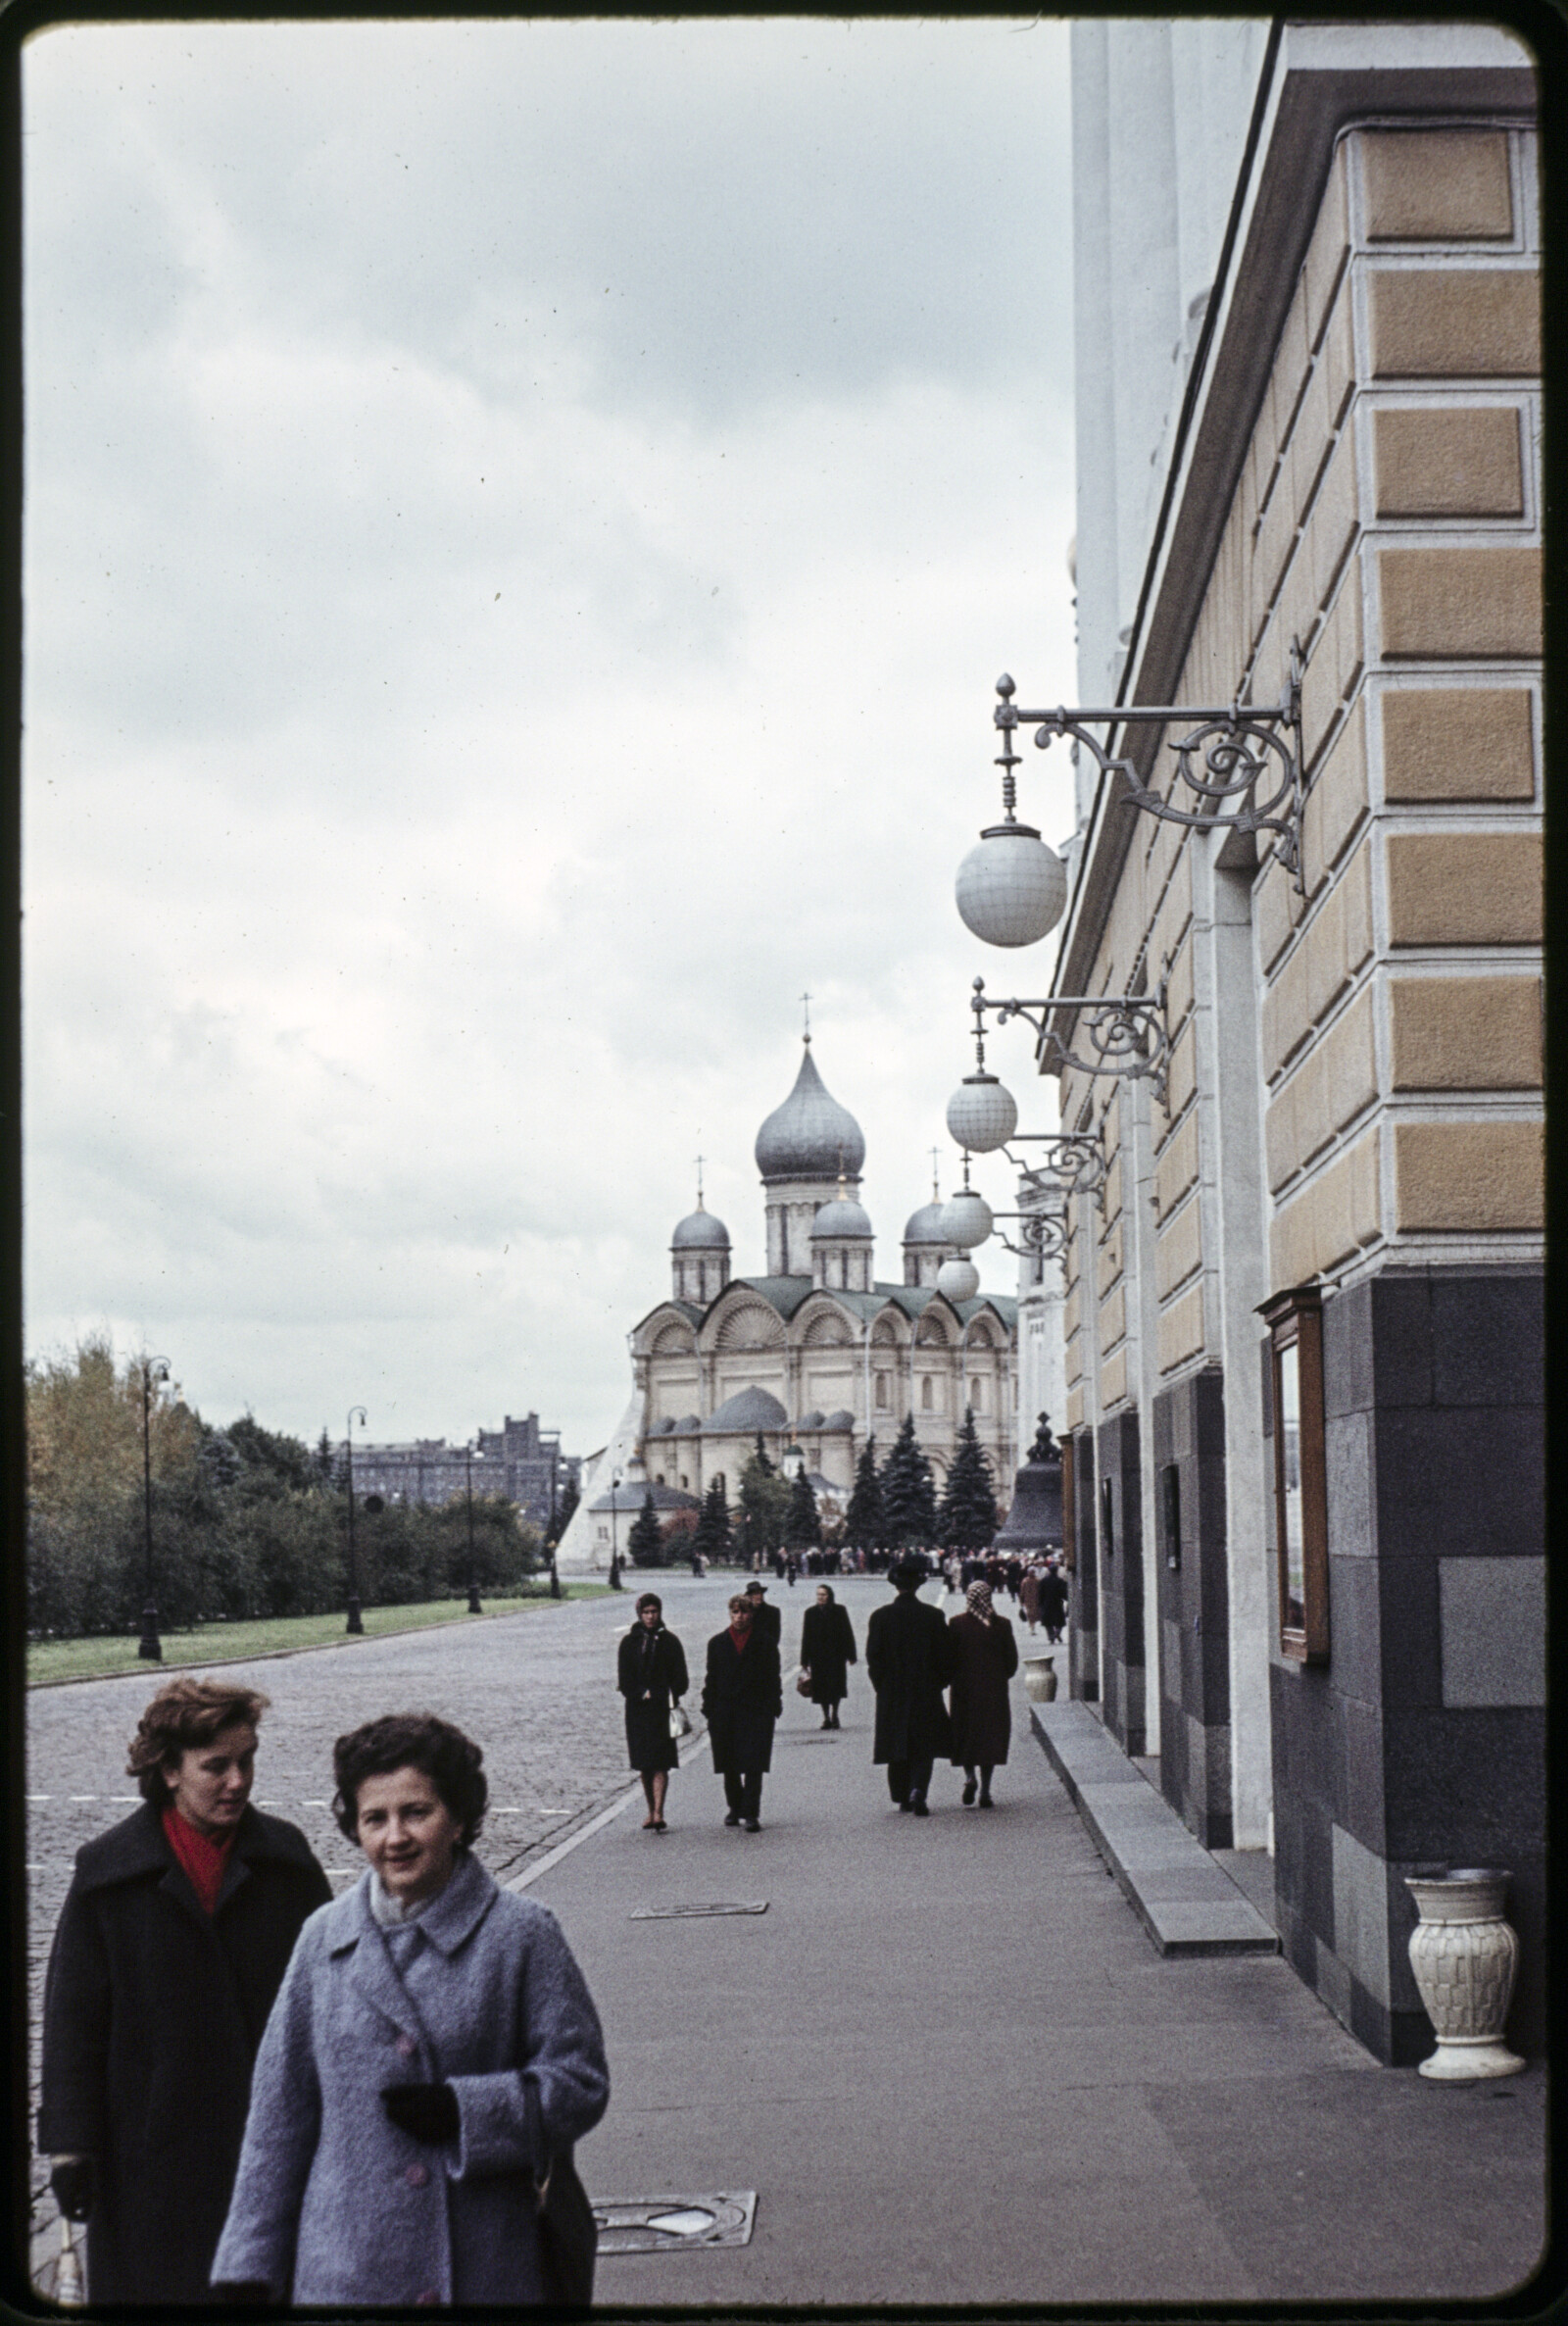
x=172 y=1944
x=432 y=2059
x=651 y=1674
x=827 y=1650
x=985 y=1658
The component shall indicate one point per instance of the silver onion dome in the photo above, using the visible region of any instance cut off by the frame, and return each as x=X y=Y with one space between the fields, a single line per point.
x=811 y=1136
x=843 y=1218
x=700 y=1231
x=925 y=1226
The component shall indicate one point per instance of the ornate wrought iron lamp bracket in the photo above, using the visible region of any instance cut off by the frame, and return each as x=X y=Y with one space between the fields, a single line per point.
x=1127 y=1032
x=1043 y=1235
x=1228 y=759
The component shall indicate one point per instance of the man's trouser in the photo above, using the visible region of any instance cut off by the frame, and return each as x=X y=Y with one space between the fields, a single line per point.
x=908 y=1779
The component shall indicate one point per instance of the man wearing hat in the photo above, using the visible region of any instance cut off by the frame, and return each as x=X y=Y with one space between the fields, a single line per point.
x=909 y=1659
x=766 y=1621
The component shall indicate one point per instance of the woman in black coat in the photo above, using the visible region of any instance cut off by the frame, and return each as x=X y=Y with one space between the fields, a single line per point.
x=172 y=1944
x=743 y=1695
x=827 y=1650
x=986 y=1657
x=651 y=1673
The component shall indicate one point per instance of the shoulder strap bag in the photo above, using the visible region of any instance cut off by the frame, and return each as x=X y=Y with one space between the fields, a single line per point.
x=568 y=2236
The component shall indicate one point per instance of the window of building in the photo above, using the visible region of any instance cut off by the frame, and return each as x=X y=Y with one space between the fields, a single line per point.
x=926 y=1399
x=884 y=1400
x=1300 y=1480
x=977 y=1394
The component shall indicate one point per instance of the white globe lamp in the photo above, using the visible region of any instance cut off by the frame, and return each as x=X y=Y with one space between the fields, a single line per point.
x=957 y=1280
x=964 y=1219
x=982 y=1113
x=1011 y=889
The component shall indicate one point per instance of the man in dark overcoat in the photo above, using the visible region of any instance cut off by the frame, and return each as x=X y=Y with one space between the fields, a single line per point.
x=1054 y=1601
x=908 y=1660
x=155 y=2002
x=743 y=1695
x=766 y=1620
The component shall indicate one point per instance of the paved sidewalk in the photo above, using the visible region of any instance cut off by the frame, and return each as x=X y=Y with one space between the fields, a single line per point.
x=955 y=2070
x=947 y=2058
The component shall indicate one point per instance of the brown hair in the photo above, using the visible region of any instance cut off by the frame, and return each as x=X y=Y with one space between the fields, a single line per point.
x=411 y=1740
x=741 y=1606
x=183 y=1715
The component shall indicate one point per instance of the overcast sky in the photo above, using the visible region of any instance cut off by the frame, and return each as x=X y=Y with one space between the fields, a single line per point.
x=523 y=523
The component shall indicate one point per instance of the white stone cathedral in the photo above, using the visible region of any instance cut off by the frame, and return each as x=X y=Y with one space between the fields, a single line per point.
x=812 y=1355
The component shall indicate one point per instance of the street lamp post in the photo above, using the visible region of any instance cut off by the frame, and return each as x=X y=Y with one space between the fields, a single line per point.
x=474 y=1608
x=356 y=1621
x=555 y=1578
x=615 y=1556
x=149 y=1647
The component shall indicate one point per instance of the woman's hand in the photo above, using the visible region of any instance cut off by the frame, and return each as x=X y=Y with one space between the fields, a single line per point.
x=425 y=2111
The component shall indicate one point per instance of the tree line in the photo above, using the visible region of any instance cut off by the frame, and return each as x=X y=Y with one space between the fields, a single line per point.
x=893 y=1506
x=246 y=1521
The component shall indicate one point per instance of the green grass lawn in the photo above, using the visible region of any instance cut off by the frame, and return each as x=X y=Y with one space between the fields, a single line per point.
x=237 y=1642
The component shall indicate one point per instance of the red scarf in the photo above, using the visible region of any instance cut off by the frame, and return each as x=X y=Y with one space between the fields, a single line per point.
x=741 y=1637
x=203 y=1860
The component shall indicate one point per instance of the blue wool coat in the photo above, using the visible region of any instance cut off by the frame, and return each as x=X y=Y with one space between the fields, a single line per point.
x=331 y=2203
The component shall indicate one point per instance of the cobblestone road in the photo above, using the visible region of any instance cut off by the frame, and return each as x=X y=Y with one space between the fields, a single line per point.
x=536 y=1690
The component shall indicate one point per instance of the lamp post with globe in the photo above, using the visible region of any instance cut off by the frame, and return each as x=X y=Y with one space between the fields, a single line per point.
x=615 y=1553
x=154 y=1369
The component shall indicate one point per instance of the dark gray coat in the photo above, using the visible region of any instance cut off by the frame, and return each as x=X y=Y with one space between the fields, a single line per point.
x=985 y=1660
x=743 y=1695
x=908 y=1660
x=153 y=2013
x=332 y=2204
x=651 y=1672
x=827 y=1650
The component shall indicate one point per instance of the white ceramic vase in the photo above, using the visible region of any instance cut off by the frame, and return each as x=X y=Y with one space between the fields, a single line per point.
x=1039 y=1679
x=1464 y=1957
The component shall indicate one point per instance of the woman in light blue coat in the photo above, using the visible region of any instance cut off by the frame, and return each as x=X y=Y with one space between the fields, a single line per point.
x=433 y=2053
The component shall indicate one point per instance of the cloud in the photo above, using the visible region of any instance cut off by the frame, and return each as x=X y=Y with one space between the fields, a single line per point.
x=456 y=737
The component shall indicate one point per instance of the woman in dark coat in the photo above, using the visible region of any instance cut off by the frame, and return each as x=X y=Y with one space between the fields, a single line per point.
x=827 y=1650
x=651 y=1673
x=172 y=1944
x=743 y=1695
x=986 y=1659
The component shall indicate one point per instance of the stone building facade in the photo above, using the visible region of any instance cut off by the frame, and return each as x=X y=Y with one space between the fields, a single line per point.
x=1341 y=451
x=518 y=1459
x=812 y=1355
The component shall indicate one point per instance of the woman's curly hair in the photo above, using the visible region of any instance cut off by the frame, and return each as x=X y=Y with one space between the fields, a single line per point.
x=182 y=1716
x=411 y=1740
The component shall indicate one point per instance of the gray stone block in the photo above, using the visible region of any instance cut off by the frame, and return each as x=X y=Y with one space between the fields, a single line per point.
x=1348 y=1462
x=1492 y=1624
x=1361 y=1913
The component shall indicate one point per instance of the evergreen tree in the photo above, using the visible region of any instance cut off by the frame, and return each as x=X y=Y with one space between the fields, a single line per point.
x=967 y=1515
x=760 y=1458
x=803 y=1524
x=909 y=1491
x=713 y=1536
x=764 y=1502
x=645 y=1545
x=863 y=1521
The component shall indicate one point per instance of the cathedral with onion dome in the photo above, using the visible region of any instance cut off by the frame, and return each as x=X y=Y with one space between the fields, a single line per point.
x=813 y=1353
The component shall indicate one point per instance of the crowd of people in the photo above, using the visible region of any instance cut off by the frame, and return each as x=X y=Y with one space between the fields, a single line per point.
x=255 y=2092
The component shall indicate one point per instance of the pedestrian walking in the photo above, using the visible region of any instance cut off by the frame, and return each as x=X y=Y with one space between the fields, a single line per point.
x=1054 y=1601
x=985 y=1658
x=743 y=1695
x=172 y=1944
x=827 y=1650
x=1029 y=1596
x=908 y=1660
x=651 y=1674
x=766 y=1621
x=432 y=2057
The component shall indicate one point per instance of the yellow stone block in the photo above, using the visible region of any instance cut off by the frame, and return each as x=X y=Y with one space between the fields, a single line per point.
x=1448 y=460
x=1110 y=1262
x=1451 y=602
x=1333 y=1215
x=1327 y=251
x=1473 y=1178
x=1338 y=801
x=1178 y=1165
x=1180 y=1331
x=1179 y=986
x=1281 y=1143
x=1178 y=1247
x=1457 y=743
x=1464 y=888
x=1355 y=889
x=1456 y=323
x=1465 y=1033
x=1075 y=1405
x=1349 y=1064
x=1437 y=186
x=1331 y=528
x=1114 y=1380
x=1114 y=1318
x=1181 y=1073
x=1278 y=910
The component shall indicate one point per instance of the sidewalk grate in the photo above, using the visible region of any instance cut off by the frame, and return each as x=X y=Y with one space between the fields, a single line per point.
x=686 y=1913
x=674 y=2224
